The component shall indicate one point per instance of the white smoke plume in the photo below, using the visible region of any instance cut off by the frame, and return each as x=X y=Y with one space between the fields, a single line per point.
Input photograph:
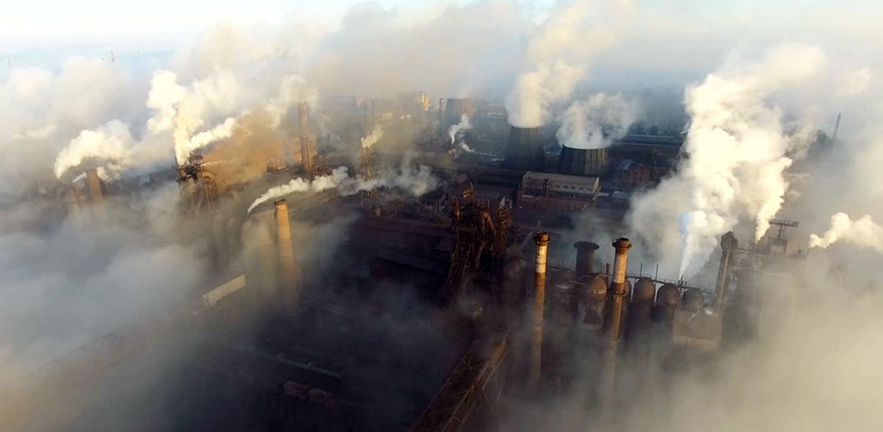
x=737 y=153
x=415 y=181
x=558 y=57
x=466 y=148
x=319 y=184
x=110 y=146
x=463 y=126
x=596 y=122
x=862 y=232
x=373 y=137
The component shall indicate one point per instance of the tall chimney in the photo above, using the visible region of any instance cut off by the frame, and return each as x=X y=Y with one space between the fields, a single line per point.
x=288 y=276
x=94 y=185
x=305 y=156
x=585 y=258
x=728 y=245
x=442 y=105
x=619 y=292
x=539 y=296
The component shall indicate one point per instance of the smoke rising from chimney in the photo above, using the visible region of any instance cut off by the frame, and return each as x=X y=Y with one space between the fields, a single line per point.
x=596 y=122
x=738 y=151
x=414 y=181
x=300 y=185
x=863 y=232
x=458 y=128
x=109 y=146
x=373 y=137
x=558 y=57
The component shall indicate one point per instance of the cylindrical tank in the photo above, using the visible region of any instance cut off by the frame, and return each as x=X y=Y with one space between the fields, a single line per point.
x=667 y=299
x=641 y=308
x=693 y=300
x=591 y=301
x=562 y=301
x=585 y=258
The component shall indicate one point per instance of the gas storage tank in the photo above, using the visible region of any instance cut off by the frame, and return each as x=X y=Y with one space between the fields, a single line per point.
x=591 y=301
x=667 y=299
x=641 y=312
x=693 y=300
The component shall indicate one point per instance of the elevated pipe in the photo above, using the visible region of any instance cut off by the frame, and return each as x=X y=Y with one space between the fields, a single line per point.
x=289 y=285
x=617 y=301
x=536 y=337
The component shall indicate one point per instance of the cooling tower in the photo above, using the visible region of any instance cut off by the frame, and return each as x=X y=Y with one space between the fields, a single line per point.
x=525 y=150
x=586 y=162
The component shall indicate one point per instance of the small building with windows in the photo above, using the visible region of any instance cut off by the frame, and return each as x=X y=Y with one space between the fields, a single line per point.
x=558 y=191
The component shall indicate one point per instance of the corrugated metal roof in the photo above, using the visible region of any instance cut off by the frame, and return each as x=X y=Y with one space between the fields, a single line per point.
x=586 y=180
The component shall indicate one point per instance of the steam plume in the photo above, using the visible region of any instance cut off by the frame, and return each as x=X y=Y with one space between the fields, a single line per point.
x=110 y=145
x=862 y=232
x=319 y=184
x=558 y=58
x=463 y=126
x=596 y=122
x=372 y=138
x=737 y=154
x=414 y=181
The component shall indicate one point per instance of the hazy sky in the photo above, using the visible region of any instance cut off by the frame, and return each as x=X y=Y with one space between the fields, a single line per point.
x=670 y=40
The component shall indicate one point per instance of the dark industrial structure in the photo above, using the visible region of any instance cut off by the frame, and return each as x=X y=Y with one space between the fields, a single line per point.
x=524 y=150
x=378 y=310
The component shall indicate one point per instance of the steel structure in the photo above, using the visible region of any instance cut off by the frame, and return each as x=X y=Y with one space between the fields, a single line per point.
x=468 y=384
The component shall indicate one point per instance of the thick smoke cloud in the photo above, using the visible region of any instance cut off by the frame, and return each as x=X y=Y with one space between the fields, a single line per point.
x=42 y=111
x=596 y=122
x=559 y=55
x=67 y=285
x=737 y=152
x=863 y=232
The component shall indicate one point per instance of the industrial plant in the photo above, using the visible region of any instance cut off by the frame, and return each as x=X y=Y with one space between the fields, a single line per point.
x=348 y=300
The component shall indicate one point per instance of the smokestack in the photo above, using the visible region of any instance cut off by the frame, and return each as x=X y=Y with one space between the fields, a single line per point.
x=94 y=185
x=305 y=156
x=524 y=152
x=615 y=319
x=536 y=338
x=441 y=116
x=585 y=258
x=288 y=278
x=728 y=245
